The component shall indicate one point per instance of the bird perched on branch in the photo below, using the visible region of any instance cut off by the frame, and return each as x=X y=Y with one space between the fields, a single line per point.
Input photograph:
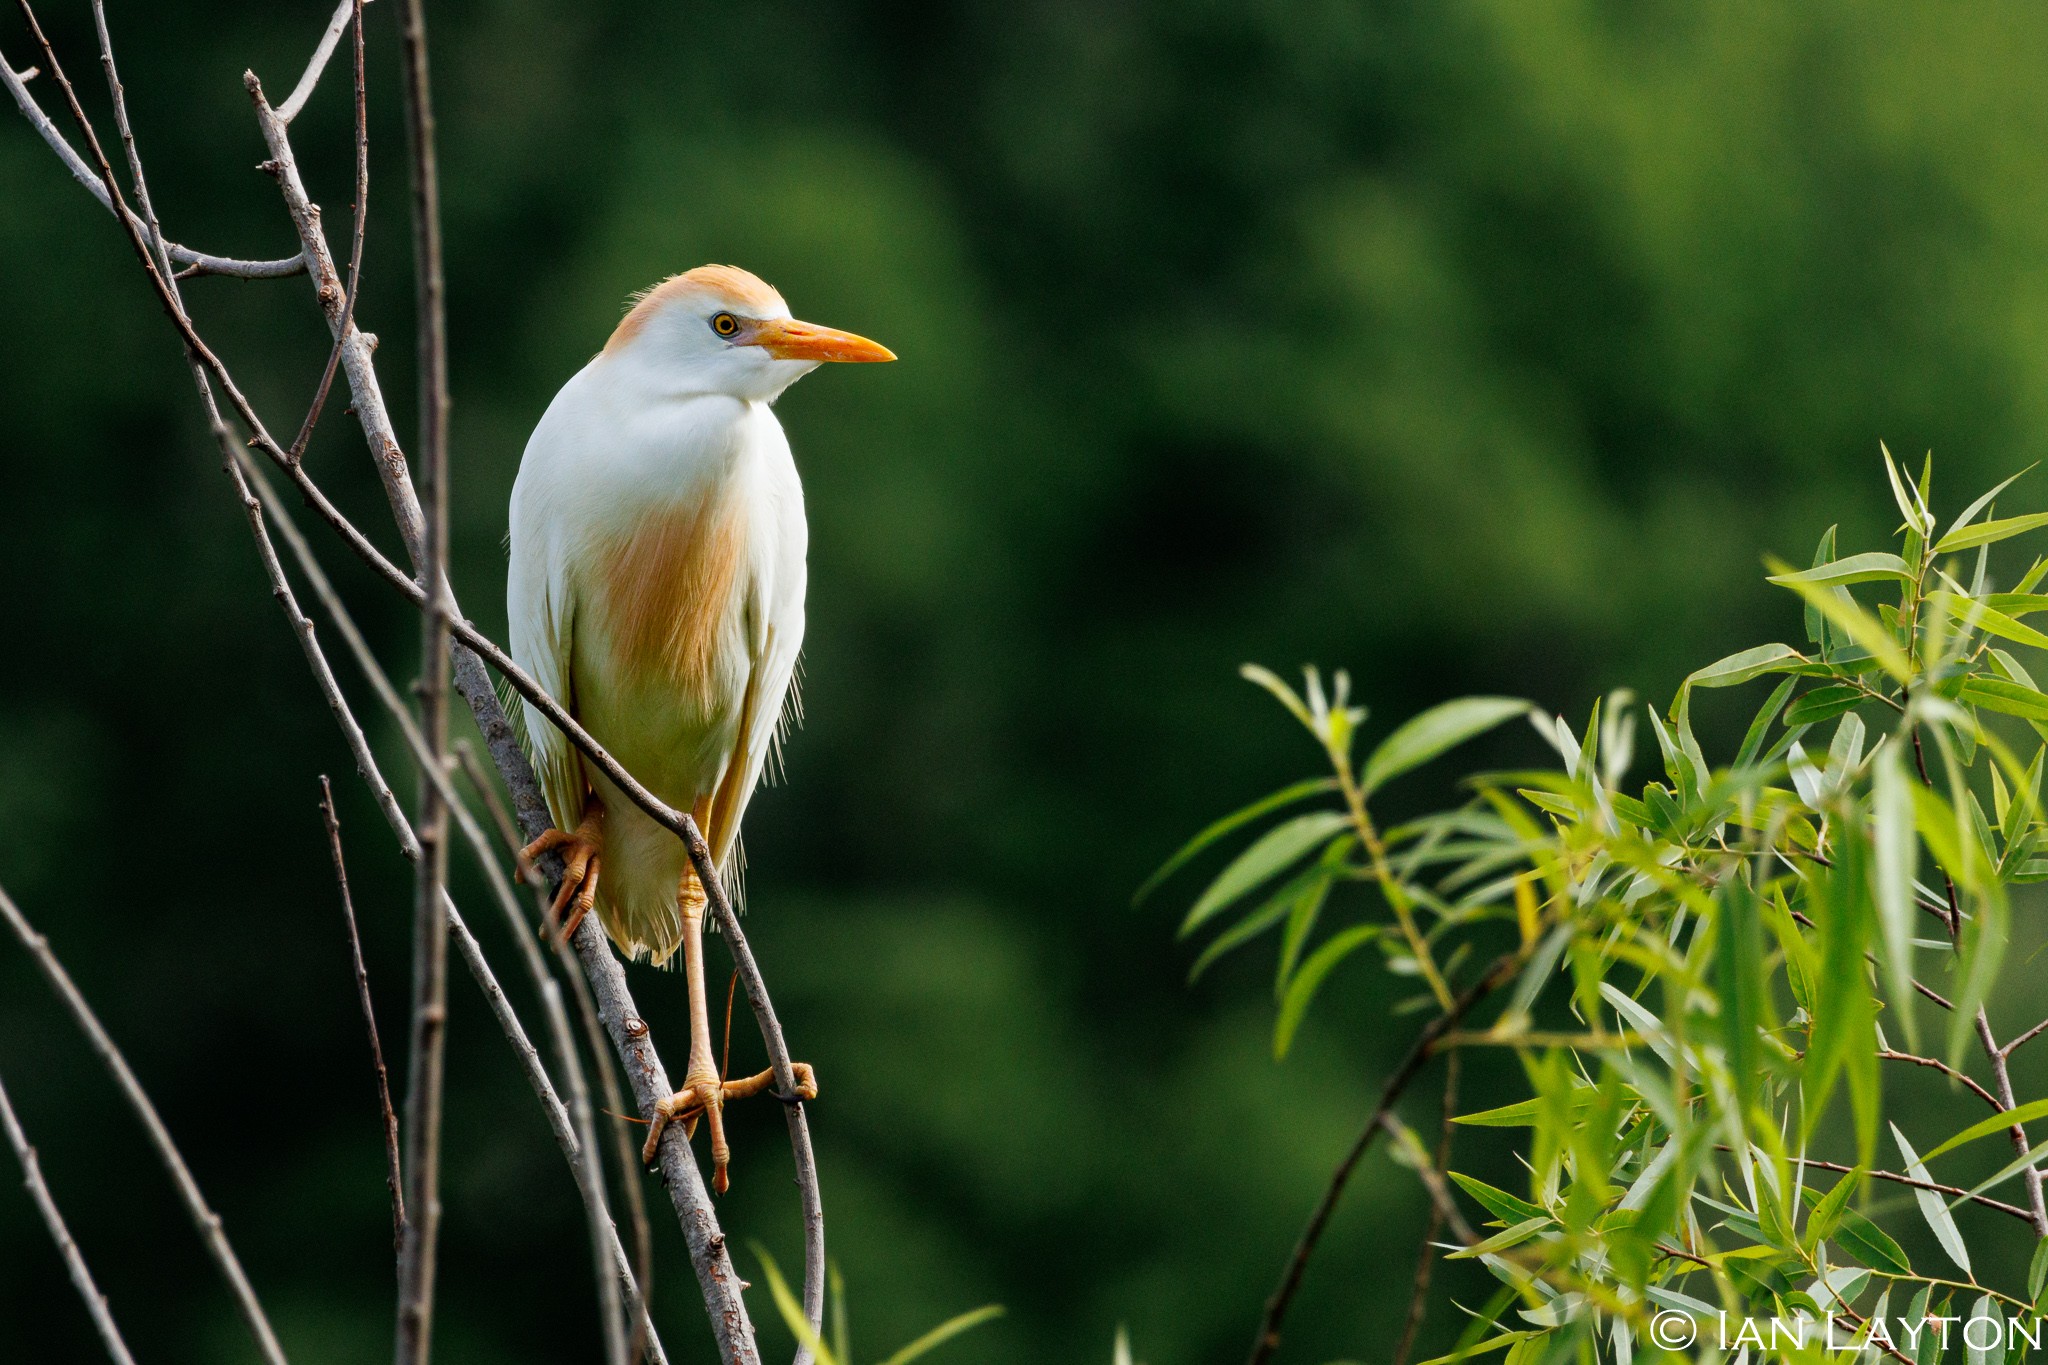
x=656 y=590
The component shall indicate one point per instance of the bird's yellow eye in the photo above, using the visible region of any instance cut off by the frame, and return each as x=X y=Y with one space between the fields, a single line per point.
x=725 y=324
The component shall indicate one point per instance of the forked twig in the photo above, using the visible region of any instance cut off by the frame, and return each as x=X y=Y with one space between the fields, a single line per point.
x=394 y=1181
x=74 y=1259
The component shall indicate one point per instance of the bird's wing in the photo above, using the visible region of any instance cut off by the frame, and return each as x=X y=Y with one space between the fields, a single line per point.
x=542 y=618
x=775 y=635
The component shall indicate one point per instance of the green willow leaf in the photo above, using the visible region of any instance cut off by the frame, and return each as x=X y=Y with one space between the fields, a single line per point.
x=944 y=1332
x=1894 y=858
x=1997 y=1123
x=1435 y=731
x=1932 y=1208
x=1859 y=625
x=1827 y=1214
x=1500 y=1203
x=1984 y=533
x=1871 y=1244
x=2006 y=698
x=1867 y=567
x=2037 y=1272
x=1970 y=513
x=1825 y=703
x=1760 y=728
x=1300 y=991
x=1527 y=1113
x=1265 y=805
x=1740 y=668
x=1992 y=622
x=1278 y=849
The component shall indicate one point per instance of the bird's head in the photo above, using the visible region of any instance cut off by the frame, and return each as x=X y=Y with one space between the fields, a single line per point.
x=718 y=329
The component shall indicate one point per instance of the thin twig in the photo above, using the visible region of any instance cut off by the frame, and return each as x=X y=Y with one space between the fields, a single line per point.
x=2027 y=1037
x=361 y=208
x=393 y=1180
x=1503 y=969
x=203 y=1217
x=74 y=1259
x=1952 y=1191
x=323 y=50
x=195 y=262
x=1933 y=1063
x=1425 y=1258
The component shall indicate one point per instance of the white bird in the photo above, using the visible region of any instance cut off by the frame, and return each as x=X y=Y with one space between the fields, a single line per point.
x=656 y=590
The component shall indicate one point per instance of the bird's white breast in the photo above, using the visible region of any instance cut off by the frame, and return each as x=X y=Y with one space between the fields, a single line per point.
x=659 y=524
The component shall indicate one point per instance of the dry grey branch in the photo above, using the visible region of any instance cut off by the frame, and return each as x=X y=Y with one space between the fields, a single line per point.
x=203 y=1217
x=74 y=1259
x=426 y=1068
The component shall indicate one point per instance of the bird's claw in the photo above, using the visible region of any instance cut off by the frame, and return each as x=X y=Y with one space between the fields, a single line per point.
x=582 y=859
x=705 y=1098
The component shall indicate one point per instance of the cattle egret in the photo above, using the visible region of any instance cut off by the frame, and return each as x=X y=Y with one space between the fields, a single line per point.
x=656 y=590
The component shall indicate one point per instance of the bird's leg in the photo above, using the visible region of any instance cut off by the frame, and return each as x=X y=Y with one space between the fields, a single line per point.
x=582 y=853
x=704 y=1094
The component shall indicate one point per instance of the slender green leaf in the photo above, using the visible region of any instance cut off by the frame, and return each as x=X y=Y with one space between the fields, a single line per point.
x=1825 y=703
x=1760 y=728
x=1970 y=513
x=1307 y=981
x=1984 y=533
x=1740 y=668
x=1744 y=989
x=1278 y=849
x=1433 y=732
x=1821 y=1222
x=1894 y=858
x=1862 y=568
x=2007 y=698
x=1526 y=1114
x=1871 y=1244
x=944 y=1332
x=1931 y=1206
x=1499 y=1203
x=1998 y=1123
x=2037 y=1272
x=1265 y=805
x=1858 y=624
x=1992 y=622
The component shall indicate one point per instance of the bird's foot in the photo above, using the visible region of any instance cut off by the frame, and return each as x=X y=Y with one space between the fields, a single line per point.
x=582 y=852
x=704 y=1097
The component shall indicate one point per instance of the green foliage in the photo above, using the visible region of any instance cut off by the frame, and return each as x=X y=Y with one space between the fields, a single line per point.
x=839 y=1351
x=1693 y=970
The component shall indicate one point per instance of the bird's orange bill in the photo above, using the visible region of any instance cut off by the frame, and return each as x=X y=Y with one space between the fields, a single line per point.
x=788 y=339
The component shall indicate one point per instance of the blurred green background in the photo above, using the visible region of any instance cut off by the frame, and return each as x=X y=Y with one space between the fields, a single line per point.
x=1472 y=346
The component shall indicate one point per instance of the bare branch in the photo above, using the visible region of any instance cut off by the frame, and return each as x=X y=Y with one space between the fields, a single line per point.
x=394 y=1181
x=74 y=1259
x=1503 y=969
x=2024 y=1038
x=1933 y=1063
x=1952 y=1191
x=203 y=1217
x=196 y=262
x=417 y=1260
x=303 y=91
